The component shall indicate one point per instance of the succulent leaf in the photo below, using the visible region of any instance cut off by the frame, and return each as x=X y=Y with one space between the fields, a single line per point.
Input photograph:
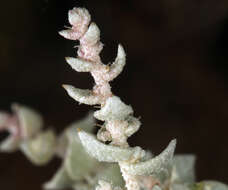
x=107 y=153
x=156 y=165
x=92 y=36
x=119 y=63
x=114 y=109
x=82 y=95
x=79 y=16
x=79 y=65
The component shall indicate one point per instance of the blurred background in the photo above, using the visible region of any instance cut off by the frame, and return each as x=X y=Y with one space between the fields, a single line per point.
x=176 y=77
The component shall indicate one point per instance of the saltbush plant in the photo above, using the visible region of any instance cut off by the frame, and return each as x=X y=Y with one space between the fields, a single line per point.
x=104 y=161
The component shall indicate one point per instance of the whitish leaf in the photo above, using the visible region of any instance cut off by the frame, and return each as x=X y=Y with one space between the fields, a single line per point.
x=119 y=63
x=82 y=95
x=107 y=153
x=40 y=149
x=79 y=65
x=70 y=34
x=156 y=165
x=114 y=109
x=92 y=36
x=79 y=16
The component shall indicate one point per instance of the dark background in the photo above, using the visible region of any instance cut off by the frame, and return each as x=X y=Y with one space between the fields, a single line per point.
x=176 y=75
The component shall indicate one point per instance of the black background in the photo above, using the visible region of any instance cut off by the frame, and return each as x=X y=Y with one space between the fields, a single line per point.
x=175 y=78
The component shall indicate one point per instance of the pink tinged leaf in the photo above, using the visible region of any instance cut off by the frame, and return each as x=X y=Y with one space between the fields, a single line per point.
x=82 y=95
x=70 y=34
x=79 y=16
x=79 y=65
x=92 y=36
x=118 y=65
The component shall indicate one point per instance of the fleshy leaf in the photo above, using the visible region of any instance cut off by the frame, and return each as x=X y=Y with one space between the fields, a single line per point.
x=119 y=63
x=108 y=153
x=79 y=16
x=114 y=109
x=82 y=95
x=92 y=36
x=40 y=149
x=70 y=34
x=156 y=165
x=79 y=65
